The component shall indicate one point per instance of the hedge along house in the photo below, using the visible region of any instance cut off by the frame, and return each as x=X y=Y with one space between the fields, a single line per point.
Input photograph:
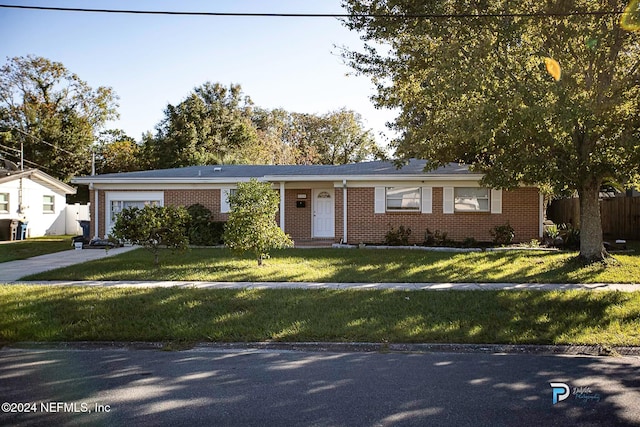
x=354 y=203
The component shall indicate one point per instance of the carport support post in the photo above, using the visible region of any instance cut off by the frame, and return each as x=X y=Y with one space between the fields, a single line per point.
x=344 y=211
x=95 y=216
x=282 y=205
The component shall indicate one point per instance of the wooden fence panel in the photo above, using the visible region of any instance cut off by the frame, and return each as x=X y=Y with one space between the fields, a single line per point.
x=620 y=216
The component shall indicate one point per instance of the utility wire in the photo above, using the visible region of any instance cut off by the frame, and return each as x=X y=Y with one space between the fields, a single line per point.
x=42 y=140
x=322 y=15
x=9 y=148
x=6 y=153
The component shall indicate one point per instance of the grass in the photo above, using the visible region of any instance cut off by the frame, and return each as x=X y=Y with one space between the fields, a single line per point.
x=345 y=266
x=46 y=313
x=21 y=249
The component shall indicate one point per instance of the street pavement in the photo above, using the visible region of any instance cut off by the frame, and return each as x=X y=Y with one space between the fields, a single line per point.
x=216 y=387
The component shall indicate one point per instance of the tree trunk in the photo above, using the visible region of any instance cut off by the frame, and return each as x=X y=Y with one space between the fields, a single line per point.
x=591 y=243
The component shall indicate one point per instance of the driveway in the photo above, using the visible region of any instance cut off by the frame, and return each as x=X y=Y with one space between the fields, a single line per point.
x=14 y=270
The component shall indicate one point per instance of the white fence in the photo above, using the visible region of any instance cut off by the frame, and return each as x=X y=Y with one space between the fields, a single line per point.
x=73 y=214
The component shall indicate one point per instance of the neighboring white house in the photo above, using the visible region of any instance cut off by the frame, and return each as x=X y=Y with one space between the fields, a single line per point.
x=34 y=197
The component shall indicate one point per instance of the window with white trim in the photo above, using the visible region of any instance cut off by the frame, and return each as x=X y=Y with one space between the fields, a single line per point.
x=402 y=199
x=116 y=201
x=118 y=206
x=48 y=204
x=4 y=202
x=471 y=199
x=225 y=207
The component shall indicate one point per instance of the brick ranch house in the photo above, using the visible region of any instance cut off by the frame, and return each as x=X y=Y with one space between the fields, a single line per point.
x=352 y=203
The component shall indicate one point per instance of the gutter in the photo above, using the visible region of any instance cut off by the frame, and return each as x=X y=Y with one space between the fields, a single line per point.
x=273 y=178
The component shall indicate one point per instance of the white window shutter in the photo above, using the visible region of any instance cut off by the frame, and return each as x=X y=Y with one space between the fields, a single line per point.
x=380 y=200
x=427 y=200
x=496 y=201
x=224 y=201
x=447 y=200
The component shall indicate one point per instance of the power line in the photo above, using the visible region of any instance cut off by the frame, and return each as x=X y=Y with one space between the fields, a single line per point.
x=9 y=148
x=42 y=140
x=6 y=153
x=324 y=15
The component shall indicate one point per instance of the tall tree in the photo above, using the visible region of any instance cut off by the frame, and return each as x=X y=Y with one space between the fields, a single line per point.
x=341 y=138
x=53 y=113
x=337 y=137
x=530 y=92
x=208 y=127
x=117 y=152
x=273 y=128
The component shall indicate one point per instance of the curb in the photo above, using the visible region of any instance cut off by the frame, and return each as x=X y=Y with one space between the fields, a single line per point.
x=331 y=347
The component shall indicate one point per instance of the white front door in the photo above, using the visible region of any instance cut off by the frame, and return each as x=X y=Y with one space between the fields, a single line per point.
x=323 y=213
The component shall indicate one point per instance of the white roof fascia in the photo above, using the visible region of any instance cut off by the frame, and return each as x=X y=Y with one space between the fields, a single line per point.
x=42 y=178
x=463 y=177
x=275 y=178
x=193 y=180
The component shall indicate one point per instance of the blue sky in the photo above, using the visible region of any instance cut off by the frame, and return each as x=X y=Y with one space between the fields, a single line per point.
x=151 y=61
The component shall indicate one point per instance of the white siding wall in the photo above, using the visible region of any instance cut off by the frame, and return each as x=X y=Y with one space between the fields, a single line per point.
x=40 y=223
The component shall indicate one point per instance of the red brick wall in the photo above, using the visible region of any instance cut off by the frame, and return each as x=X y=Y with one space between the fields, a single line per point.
x=520 y=208
x=209 y=198
x=297 y=221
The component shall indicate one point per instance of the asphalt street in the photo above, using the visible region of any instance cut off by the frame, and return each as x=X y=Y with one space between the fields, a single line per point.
x=215 y=387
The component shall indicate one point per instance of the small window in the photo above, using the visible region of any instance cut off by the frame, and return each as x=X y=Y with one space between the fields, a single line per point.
x=48 y=204
x=403 y=199
x=118 y=206
x=4 y=202
x=471 y=199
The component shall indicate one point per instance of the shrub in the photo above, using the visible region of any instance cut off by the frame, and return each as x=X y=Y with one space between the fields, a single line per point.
x=202 y=230
x=397 y=236
x=502 y=234
x=469 y=242
x=153 y=227
x=570 y=235
x=437 y=238
x=251 y=225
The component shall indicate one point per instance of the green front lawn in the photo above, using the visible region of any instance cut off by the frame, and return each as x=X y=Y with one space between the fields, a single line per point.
x=21 y=249
x=355 y=265
x=49 y=313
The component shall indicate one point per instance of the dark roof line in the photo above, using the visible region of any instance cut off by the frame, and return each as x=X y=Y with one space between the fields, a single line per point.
x=381 y=168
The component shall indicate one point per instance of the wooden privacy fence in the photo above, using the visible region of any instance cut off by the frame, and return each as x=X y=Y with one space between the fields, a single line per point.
x=620 y=216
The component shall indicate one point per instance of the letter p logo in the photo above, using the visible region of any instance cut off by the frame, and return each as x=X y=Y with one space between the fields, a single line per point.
x=560 y=392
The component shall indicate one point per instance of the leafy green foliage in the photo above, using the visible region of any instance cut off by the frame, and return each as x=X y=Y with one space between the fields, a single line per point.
x=153 y=227
x=478 y=91
x=215 y=124
x=40 y=100
x=570 y=235
x=208 y=127
x=251 y=225
x=397 y=236
x=437 y=238
x=202 y=230
x=502 y=234
x=117 y=152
